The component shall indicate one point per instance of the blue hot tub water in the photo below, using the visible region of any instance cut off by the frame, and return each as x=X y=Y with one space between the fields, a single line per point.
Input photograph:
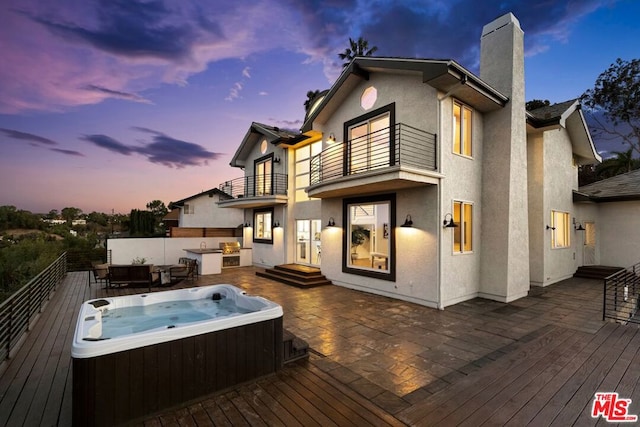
x=127 y=320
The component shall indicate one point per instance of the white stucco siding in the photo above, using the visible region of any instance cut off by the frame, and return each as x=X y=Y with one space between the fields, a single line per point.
x=416 y=249
x=559 y=183
x=618 y=233
x=415 y=103
x=462 y=182
x=206 y=213
x=537 y=217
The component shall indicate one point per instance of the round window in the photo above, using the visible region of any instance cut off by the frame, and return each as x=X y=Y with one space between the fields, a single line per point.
x=369 y=97
x=263 y=146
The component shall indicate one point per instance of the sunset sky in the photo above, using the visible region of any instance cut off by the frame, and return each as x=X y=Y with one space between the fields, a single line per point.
x=109 y=104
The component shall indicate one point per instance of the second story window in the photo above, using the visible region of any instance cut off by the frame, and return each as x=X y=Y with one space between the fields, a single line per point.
x=263 y=176
x=303 y=166
x=462 y=135
x=188 y=209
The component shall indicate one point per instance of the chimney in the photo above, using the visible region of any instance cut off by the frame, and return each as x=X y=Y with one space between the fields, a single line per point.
x=504 y=265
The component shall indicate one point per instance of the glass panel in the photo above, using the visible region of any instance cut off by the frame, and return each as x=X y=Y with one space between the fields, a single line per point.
x=561 y=232
x=369 y=248
x=262 y=228
x=316 y=249
x=379 y=136
x=302 y=167
x=467 y=227
x=358 y=138
x=467 y=132
x=302 y=153
x=457 y=231
x=456 y=128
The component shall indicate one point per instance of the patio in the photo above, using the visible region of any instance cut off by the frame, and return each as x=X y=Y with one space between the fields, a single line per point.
x=376 y=360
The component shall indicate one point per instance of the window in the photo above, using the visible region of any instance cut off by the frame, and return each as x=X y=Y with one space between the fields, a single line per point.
x=463 y=233
x=263 y=176
x=369 y=140
x=461 y=129
x=303 y=167
x=368 y=244
x=262 y=224
x=188 y=209
x=560 y=229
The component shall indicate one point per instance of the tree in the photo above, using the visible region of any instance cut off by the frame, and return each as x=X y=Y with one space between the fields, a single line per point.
x=158 y=209
x=358 y=47
x=70 y=213
x=614 y=103
x=623 y=162
x=534 y=104
x=311 y=95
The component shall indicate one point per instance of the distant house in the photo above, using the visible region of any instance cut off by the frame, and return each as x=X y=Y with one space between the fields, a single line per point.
x=609 y=211
x=419 y=180
x=201 y=210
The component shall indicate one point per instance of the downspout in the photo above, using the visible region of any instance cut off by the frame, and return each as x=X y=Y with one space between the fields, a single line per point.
x=441 y=99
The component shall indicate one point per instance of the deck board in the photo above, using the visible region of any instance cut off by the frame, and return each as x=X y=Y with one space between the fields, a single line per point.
x=537 y=361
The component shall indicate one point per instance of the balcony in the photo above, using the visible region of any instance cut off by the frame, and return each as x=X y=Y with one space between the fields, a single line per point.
x=389 y=159
x=255 y=191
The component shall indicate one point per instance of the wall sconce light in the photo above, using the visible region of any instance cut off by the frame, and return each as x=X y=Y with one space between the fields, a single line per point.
x=276 y=224
x=331 y=223
x=276 y=159
x=332 y=138
x=550 y=227
x=578 y=226
x=247 y=224
x=407 y=222
x=448 y=223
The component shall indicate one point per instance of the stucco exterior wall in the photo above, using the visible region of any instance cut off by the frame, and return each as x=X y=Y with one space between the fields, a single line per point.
x=537 y=218
x=208 y=214
x=618 y=233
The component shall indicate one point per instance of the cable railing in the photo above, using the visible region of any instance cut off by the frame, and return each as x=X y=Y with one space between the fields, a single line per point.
x=400 y=144
x=20 y=309
x=256 y=186
x=621 y=289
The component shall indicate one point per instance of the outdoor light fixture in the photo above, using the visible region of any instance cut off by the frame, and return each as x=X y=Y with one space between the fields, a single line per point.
x=331 y=223
x=276 y=224
x=578 y=227
x=276 y=159
x=550 y=227
x=448 y=223
x=332 y=138
x=407 y=222
x=247 y=224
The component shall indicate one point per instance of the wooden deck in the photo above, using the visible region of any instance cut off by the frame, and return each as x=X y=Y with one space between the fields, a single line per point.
x=537 y=361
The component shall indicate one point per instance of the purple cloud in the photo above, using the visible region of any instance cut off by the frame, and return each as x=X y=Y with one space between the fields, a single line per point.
x=119 y=94
x=108 y=143
x=68 y=152
x=24 y=136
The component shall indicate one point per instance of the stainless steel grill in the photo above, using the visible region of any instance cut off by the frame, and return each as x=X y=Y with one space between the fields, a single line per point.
x=230 y=247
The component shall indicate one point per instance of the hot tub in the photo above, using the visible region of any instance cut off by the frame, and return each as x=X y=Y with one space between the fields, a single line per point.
x=139 y=354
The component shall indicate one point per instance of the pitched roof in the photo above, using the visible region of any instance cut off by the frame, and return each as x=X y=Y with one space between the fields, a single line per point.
x=617 y=188
x=210 y=193
x=255 y=133
x=550 y=114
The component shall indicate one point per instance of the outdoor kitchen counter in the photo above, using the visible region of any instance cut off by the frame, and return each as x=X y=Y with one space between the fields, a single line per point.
x=209 y=260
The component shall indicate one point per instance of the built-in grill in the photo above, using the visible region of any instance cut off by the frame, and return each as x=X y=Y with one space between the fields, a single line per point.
x=230 y=254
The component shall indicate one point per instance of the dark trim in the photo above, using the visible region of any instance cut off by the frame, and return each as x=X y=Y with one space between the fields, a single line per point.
x=389 y=108
x=263 y=159
x=257 y=211
x=346 y=236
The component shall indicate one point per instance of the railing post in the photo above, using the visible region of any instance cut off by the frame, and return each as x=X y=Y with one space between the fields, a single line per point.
x=604 y=300
x=10 y=331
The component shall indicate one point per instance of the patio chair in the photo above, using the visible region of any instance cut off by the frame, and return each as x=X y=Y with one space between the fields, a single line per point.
x=186 y=271
x=100 y=273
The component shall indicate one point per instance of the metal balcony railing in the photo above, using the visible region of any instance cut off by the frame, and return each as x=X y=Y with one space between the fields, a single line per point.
x=20 y=309
x=621 y=291
x=256 y=186
x=401 y=145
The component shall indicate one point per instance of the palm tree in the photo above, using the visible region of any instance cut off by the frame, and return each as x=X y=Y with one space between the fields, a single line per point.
x=356 y=48
x=623 y=162
x=311 y=95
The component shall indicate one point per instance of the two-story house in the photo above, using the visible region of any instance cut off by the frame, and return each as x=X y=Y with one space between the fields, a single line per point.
x=419 y=180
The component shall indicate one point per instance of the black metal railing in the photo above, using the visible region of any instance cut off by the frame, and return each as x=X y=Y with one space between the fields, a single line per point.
x=396 y=145
x=20 y=309
x=621 y=290
x=256 y=186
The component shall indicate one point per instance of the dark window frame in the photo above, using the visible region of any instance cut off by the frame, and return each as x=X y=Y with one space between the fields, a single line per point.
x=257 y=239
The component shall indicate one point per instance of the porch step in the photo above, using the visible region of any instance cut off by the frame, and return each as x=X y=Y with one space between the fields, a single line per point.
x=297 y=275
x=596 y=271
x=294 y=348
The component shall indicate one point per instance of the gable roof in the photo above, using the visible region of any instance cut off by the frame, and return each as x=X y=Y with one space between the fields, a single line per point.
x=254 y=134
x=568 y=115
x=445 y=75
x=209 y=193
x=618 y=188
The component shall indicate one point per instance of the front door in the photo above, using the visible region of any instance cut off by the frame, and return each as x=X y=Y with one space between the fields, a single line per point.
x=308 y=249
x=589 y=249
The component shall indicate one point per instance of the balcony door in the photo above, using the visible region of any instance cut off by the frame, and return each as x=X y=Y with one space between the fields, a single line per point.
x=369 y=144
x=308 y=249
x=263 y=176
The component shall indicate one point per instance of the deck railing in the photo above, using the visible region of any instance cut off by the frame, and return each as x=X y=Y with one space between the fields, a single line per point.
x=621 y=291
x=256 y=186
x=401 y=144
x=20 y=309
